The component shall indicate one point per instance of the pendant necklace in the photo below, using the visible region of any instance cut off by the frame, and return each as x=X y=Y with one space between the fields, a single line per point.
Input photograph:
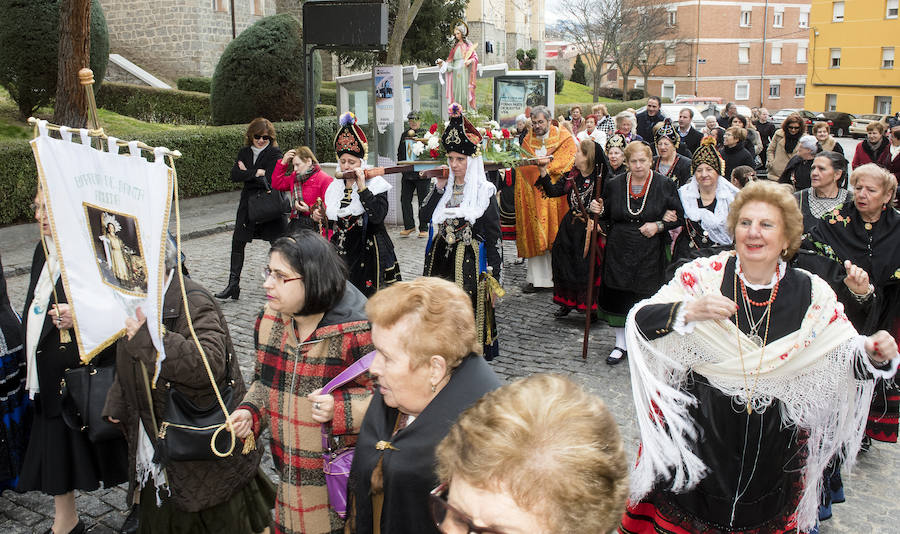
x=749 y=304
x=645 y=192
x=762 y=345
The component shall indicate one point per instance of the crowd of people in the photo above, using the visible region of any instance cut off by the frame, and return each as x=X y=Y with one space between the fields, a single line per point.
x=758 y=313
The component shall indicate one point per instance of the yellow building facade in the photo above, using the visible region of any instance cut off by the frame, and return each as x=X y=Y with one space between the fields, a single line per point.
x=852 y=47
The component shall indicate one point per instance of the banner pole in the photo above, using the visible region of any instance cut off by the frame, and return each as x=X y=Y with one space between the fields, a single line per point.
x=86 y=76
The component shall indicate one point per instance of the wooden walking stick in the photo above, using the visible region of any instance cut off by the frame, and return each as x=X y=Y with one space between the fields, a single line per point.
x=595 y=220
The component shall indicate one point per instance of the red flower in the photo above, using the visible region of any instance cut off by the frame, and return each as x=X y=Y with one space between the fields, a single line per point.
x=434 y=153
x=505 y=133
x=487 y=133
x=432 y=129
x=368 y=283
x=688 y=279
x=784 y=356
x=717 y=265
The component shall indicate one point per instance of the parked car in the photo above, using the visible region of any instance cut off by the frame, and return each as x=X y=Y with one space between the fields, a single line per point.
x=672 y=110
x=701 y=101
x=858 y=125
x=809 y=117
x=841 y=122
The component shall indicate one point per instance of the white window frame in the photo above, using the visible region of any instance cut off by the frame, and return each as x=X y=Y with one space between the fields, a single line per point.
x=831 y=102
x=742 y=90
x=670 y=84
x=891 y=7
x=883 y=104
x=832 y=56
x=802 y=53
x=672 y=17
x=746 y=18
x=773 y=84
x=777 y=57
x=743 y=47
x=778 y=18
x=800 y=89
x=671 y=56
x=639 y=83
x=887 y=57
x=837 y=11
x=803 y=19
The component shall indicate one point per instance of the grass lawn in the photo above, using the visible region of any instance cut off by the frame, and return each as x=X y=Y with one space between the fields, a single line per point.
x=572 y=93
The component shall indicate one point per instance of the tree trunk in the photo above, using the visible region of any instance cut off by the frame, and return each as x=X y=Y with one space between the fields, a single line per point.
x=406 y=14
x=625 y=86
x=647 y=83
x=597 y=78
x=74 y=54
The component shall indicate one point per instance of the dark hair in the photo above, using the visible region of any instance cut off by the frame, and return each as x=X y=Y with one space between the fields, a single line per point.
x=654 y=97
x=741 y=118
x=837 y=160
x=260 y=126
x=316 y=260
x=743 y=174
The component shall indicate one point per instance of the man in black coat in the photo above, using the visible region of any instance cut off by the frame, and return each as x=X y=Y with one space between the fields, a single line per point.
x=648 y=118
x=728 y=115
x=766 y=129
x=411 y=181
x=690 y=136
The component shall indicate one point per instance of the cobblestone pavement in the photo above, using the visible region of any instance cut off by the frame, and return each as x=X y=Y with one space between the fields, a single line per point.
x=532 y=341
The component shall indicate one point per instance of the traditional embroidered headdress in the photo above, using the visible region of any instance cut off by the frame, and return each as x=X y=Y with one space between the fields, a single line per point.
x=616 y=140
x=350 y=138
x=667 y=130
x=460 y=135
x=108 y=219
x=707 y=153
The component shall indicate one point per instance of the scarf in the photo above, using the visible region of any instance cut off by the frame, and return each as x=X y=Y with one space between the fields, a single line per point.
x=711 y=221
x=791 y=140
x=477 y=194
x=40 y=304
x=257 y=152
x=811 y=372
x=335 y=193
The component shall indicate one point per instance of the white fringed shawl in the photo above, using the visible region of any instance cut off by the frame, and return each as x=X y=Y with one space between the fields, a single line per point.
x=477 y=193
x=811 y=372
x=335 y=193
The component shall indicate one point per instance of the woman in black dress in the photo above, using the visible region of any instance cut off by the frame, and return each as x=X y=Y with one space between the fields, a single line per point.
x=668 y=161
x=465 y=222
x=355 y=209
x=634 y=204
x=15 y=408
x=253 y=167
x=59 y=460
x=570 y=253
x=798 y=169
x=825 y=195
x=615 y=152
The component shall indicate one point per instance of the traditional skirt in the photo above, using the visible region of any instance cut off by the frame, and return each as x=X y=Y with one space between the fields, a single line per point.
x=15 y=413
x=571 y=265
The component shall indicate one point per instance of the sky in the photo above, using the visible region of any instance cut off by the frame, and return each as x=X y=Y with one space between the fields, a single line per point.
x=552 y=12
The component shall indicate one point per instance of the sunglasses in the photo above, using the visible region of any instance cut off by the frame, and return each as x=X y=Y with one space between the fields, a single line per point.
x=258 y=137
x=448 y=519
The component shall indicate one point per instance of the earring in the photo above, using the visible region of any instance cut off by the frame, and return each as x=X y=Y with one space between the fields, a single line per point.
x=433 y=388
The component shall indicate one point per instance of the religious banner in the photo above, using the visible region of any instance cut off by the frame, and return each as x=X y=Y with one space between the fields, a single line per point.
x=515 y=95
x=384 y=97
x=109 y=215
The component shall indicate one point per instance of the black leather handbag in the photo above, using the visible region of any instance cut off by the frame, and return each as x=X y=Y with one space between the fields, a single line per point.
x=268 y=204
x=189 y=432
x=83 y=390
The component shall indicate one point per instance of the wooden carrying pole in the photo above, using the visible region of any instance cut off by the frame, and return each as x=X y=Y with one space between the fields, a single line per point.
x=591 y=266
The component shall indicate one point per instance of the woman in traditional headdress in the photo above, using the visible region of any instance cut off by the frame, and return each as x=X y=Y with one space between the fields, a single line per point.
x=462 y=62
x=571 y=249
x=705 y=199
x=747 y=377
x=669 y=162
x=615 y=152
x=117 y=263
x=465 y=226
x=355 y=209
x=634 y=205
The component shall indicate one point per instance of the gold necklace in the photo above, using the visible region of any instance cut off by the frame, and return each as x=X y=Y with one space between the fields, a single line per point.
x=762 y=349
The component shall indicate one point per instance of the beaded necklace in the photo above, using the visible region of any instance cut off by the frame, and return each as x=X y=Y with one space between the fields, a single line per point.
x=644 y=193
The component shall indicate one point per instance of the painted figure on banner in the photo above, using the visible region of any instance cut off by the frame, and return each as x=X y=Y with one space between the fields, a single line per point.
x=462 y=64
x=537 y=216
x=117 y=249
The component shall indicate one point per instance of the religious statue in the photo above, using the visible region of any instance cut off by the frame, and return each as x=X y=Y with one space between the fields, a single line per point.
x=462 y=64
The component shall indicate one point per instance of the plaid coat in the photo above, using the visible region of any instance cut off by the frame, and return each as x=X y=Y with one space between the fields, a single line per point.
x=286 y=372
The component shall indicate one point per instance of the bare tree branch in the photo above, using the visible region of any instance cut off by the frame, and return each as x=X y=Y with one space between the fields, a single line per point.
x=592 y=26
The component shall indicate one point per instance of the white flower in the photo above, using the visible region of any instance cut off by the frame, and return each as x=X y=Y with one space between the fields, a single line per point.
x=428 y=135
x=480 y=130
x=494 y=125
x=418 y=148
x=433 y=143
x=497 y=147
x=497 y=134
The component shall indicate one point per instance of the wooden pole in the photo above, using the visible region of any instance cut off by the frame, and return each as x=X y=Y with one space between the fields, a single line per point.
x=591 y=266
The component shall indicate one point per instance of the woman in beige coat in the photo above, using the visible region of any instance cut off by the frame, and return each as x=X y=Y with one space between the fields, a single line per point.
x=784 y=145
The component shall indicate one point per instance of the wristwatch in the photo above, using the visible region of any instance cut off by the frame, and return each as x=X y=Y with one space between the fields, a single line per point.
x=660 y=226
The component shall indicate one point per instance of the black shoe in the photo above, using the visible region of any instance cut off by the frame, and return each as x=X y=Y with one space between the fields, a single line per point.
x=77 y=529
x=130 y=525
x=562 y=312
x=529 y=288
x=866 y=444
x=232 y=290
x=612 y=360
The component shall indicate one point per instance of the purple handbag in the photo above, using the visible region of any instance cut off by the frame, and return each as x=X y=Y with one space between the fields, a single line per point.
x=337 y=462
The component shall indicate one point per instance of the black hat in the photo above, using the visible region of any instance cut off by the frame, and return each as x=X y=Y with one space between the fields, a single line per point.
x=412 y=116
x=666 y=130
x=460 y=135
x=350 y=138
x=707 y=153
x=616 y=140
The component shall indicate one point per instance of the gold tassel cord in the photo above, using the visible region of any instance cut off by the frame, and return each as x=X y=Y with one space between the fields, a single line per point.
x=100 y=133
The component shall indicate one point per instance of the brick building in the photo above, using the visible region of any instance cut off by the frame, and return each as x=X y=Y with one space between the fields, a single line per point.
x=753 y=53
x=500 y=27
x=175 y=38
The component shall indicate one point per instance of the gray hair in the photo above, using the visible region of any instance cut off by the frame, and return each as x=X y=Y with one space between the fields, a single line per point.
x=171 y=254
x=541 y=110
x=623 y=116
x=808 y=142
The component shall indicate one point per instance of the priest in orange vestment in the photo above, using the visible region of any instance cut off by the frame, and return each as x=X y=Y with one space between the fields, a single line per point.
x=538 y=217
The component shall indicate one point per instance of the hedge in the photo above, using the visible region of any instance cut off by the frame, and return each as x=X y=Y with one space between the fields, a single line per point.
x=614 y=108
x=194 y=83
x=328 y=96
x=149 y=104
x=324 y=110
x=205 y=166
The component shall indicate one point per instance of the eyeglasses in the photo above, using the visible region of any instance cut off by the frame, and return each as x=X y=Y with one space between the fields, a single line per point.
x=278 y=277
x=448 y=519
x=793 y=127
x=258 y=137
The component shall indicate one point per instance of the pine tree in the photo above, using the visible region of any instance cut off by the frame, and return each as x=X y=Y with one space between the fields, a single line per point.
x=578 y=75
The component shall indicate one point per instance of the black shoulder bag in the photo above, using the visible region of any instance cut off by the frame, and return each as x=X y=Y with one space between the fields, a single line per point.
x=267 y=204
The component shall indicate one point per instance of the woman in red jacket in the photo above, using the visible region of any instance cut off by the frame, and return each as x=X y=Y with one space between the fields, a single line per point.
x=299 y=172
x=873 y=148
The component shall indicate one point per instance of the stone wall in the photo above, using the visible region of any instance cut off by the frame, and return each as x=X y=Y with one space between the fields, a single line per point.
x=115 y=73
x=175 y=38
